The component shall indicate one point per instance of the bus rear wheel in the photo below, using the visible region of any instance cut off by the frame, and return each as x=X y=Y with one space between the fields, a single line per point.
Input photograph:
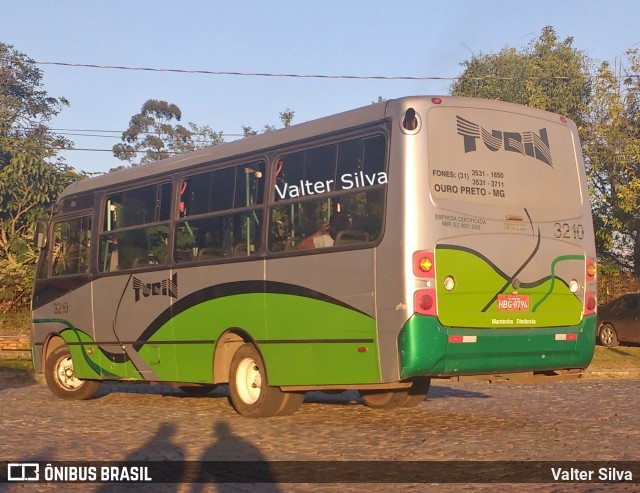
x=249 y=391
x=61 y=378
x=417 y=392
x=393 y=398
x=384 y=399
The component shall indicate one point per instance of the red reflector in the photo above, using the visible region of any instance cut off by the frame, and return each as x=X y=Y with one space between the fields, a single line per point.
x=436 y=100
x=458 y=339
x=566 y=337
x=362 y=349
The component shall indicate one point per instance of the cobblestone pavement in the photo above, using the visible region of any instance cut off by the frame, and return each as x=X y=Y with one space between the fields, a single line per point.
x=562 y=421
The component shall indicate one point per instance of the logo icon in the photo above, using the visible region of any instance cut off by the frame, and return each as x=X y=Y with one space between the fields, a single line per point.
x=23 y=471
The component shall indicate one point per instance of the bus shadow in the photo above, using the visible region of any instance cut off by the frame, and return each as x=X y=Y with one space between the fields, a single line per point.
x=336 y=398
x=449 y=392
x=17 y=378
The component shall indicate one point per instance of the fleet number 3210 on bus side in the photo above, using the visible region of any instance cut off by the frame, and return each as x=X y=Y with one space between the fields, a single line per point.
x=418 y=238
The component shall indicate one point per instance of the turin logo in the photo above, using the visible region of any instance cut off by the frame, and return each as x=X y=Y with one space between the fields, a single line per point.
x=525 y=143
x=168 y=287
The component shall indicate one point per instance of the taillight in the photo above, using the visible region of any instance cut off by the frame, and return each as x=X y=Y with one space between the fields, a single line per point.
x=591 y=269
x=424 y=302
x=589 y=303
x=424 y=265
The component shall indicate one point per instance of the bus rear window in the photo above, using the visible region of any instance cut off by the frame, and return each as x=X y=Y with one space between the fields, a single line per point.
x=490 y=157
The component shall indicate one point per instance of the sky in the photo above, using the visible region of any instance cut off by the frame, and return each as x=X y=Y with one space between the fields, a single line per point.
x=329 y=37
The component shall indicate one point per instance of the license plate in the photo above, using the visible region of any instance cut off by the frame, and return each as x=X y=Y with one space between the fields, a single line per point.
x=513 y=302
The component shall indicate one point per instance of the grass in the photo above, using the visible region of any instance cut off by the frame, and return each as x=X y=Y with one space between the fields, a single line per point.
x=620 y=357
x=15 y=323
x=15 y=362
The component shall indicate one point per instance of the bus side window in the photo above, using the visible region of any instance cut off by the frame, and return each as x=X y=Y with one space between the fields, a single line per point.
x=210 y=226
x=71 y=247
x=144 y=242
x=317 y=188
x=218 y=237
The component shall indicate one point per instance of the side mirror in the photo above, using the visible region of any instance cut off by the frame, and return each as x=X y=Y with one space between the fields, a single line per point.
x=40 y=236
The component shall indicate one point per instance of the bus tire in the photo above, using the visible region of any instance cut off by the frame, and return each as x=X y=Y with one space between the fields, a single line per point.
x=249 y=391
x=292 y=402
x=384 y=399
x=417 y=393
x=608 y=336
x=61 y=379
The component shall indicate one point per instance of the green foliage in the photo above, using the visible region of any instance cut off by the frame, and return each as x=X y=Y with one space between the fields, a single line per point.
x=30 y=175
x=16 y=281
x=549 y=74
x=611 y=140
x=286 y=118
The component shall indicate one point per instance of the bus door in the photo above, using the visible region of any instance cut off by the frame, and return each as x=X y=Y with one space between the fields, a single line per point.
x=132 y=293
x=62 y=289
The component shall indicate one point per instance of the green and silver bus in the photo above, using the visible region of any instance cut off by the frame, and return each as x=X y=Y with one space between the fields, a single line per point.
x=372 y=250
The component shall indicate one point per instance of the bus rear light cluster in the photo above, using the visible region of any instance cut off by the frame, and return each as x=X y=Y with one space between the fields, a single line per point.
x=591 y=270
x=424 y=302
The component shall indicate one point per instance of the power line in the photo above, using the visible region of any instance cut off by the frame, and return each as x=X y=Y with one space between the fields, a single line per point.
x=82 y=133
x=317 y=76
x=243 y=74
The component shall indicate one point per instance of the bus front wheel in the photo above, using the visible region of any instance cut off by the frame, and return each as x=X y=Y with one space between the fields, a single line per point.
x=61 y=378
x=249 y=391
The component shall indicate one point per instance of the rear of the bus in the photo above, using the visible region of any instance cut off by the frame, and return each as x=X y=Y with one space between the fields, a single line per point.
x=504 y=271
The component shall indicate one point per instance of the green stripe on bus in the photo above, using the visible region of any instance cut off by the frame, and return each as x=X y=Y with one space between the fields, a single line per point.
x=285 y=324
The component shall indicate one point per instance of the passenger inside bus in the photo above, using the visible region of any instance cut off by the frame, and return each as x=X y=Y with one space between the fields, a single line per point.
x=326 y=235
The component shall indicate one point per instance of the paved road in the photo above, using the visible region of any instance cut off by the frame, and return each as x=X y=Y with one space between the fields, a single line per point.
x=563 y=421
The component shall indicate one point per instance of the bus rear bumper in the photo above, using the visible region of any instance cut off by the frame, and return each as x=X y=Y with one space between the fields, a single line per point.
x=427 y=348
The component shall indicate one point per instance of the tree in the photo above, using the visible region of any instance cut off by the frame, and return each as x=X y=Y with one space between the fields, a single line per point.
x=549 y=74
x=286 y=118
x=153 y=134
x=31 y=174
x=612 y=155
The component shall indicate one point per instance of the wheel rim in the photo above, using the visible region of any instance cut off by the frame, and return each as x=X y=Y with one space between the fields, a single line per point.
x=607 y=336
x=65 y=375
x=248 y=381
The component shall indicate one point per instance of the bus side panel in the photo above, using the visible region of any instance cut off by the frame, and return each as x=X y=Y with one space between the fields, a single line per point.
x=316 y=342
x=321 y=323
